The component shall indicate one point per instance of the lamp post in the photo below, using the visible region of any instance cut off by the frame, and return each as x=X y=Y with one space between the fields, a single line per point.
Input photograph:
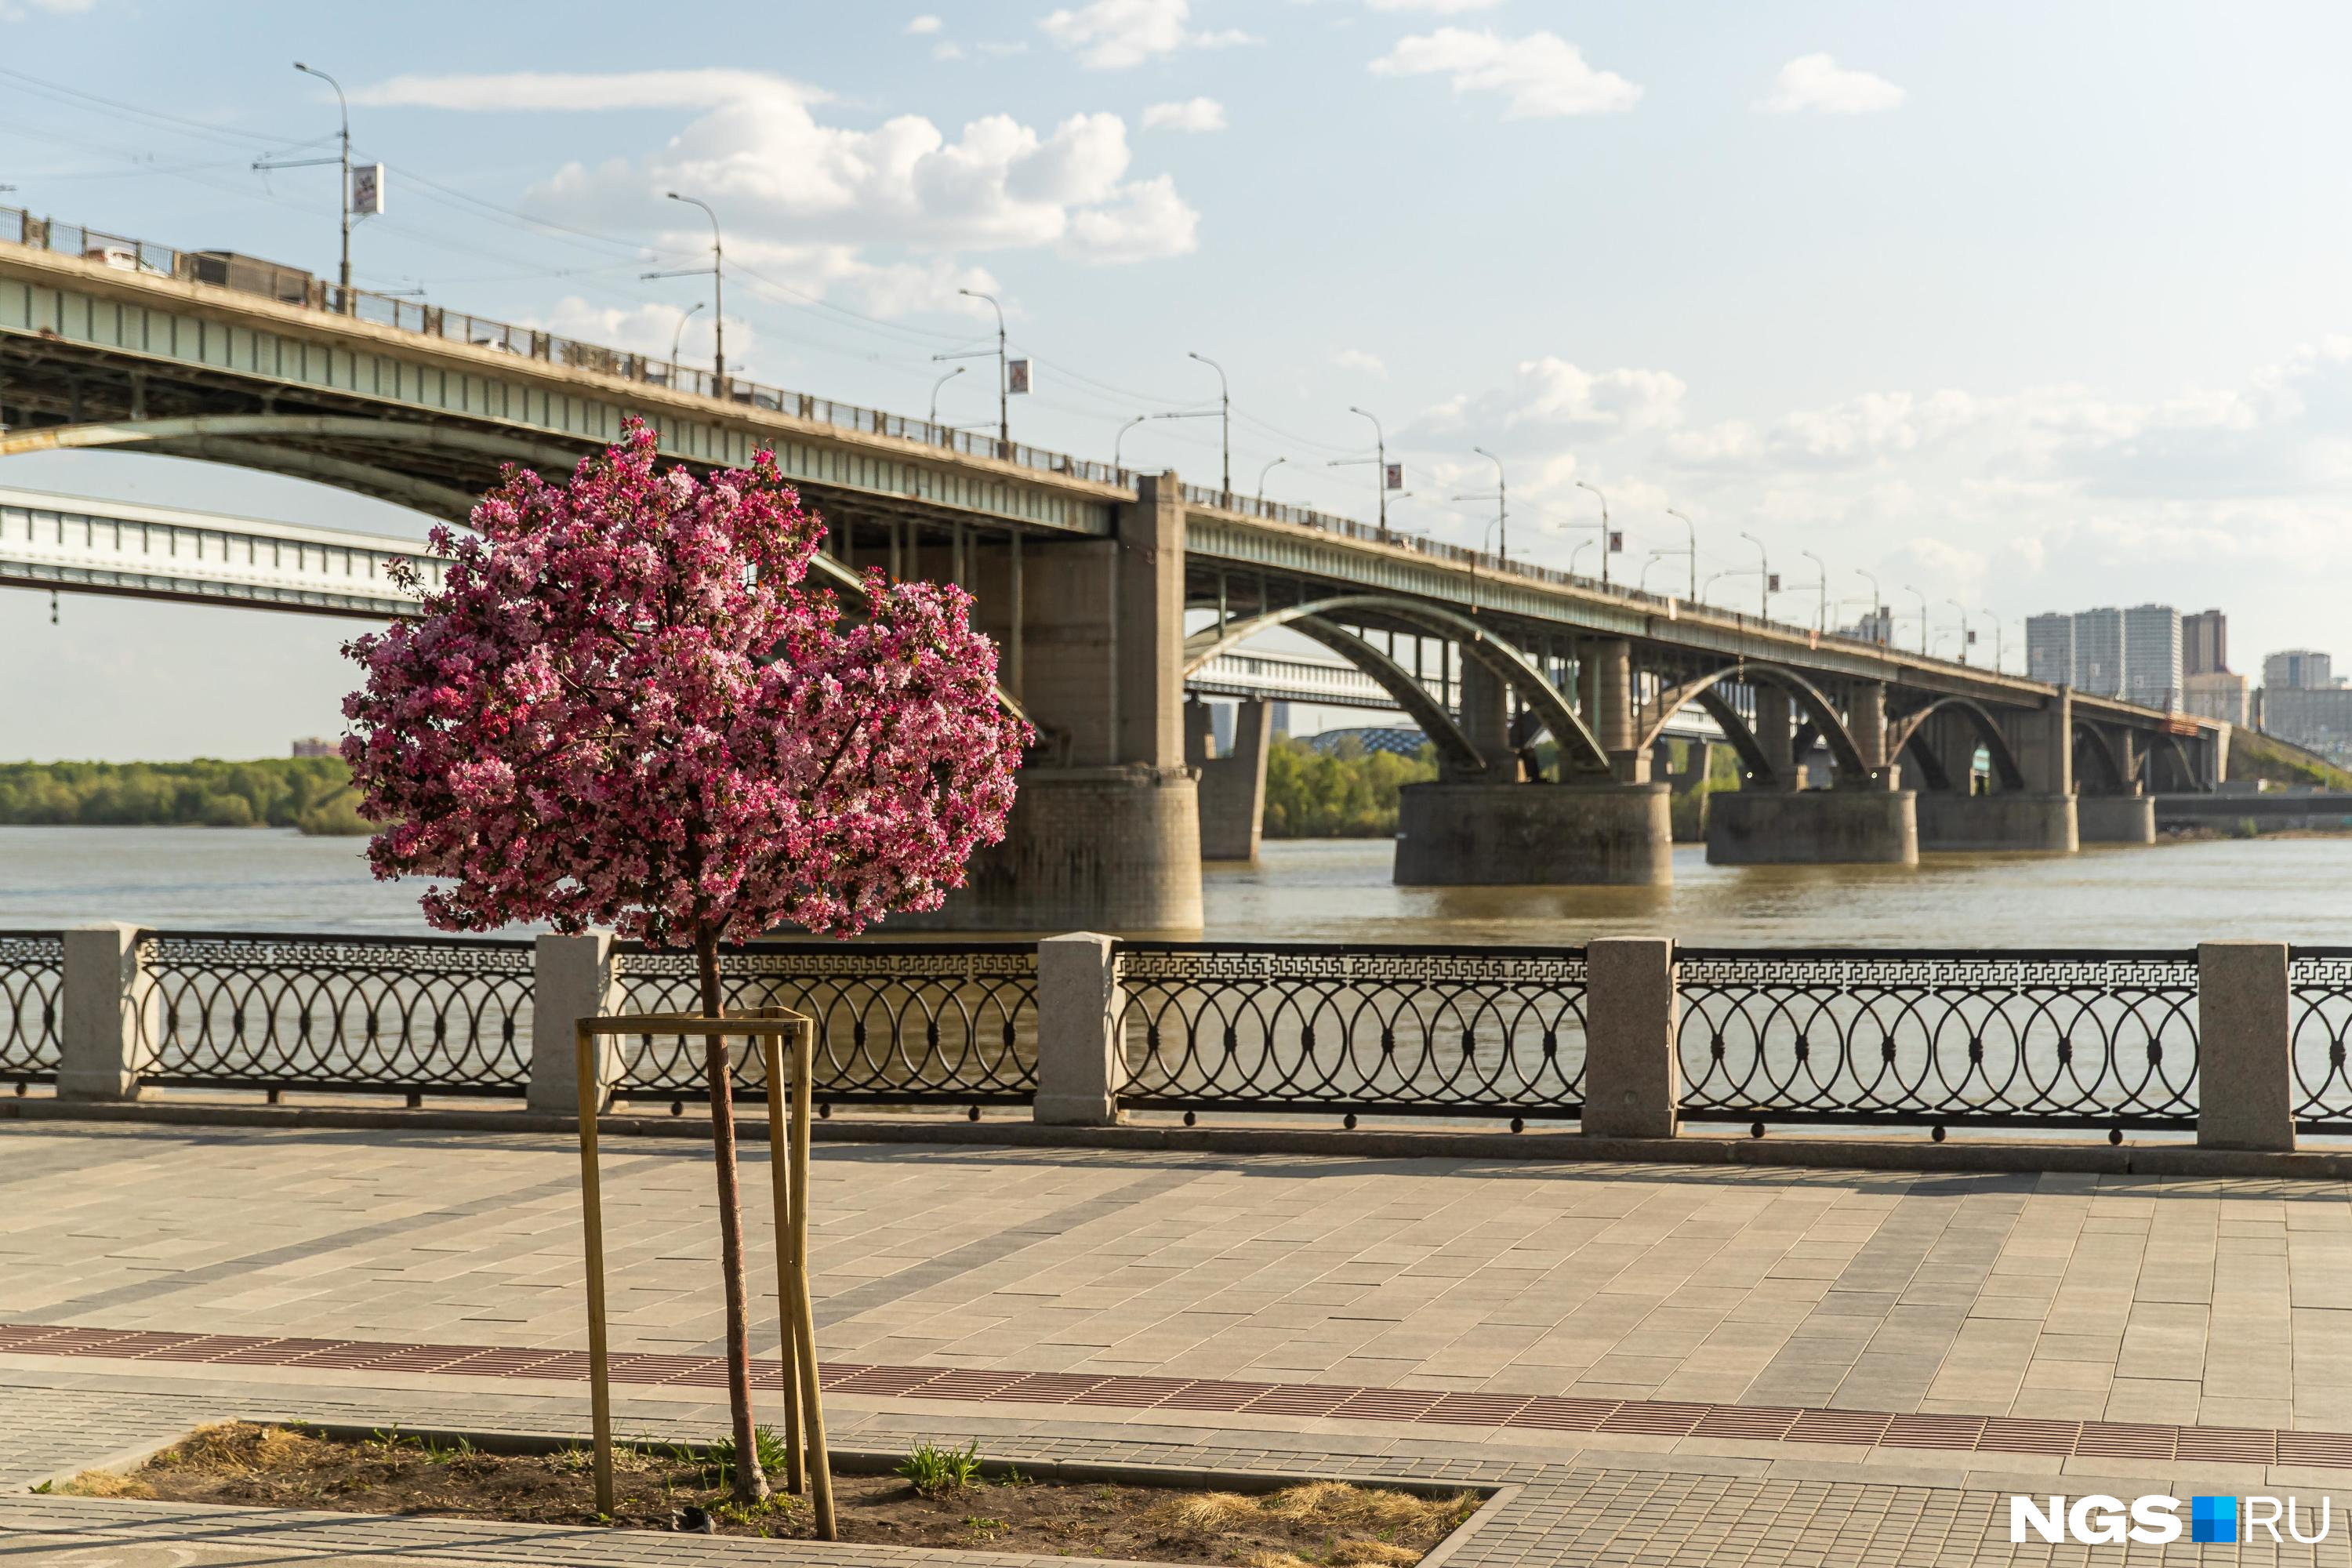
x=1690 y=531
x=1582 y=546
x=1964 y=627
x=1604 y=529
x=717 y=287
x=1763 y=575
x=1261 y=479
x=1996 y=660
x=1379 y=461
x=1821 y=583
x=942 y=382
x=1656 y=556
x=1121 y=437
x=1923 y=616
x=1225 y=416
x=343 y=161
x=1502 y=499
x=1004 y=384
x=679 y=337
x=1877 y=606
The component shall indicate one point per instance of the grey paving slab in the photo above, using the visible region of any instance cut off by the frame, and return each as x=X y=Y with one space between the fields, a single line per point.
x=2199 y=1301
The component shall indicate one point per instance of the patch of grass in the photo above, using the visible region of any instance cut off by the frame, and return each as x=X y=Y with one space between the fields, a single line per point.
x=932 y=1468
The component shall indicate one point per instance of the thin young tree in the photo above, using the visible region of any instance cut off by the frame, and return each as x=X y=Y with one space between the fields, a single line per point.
x=624 y=707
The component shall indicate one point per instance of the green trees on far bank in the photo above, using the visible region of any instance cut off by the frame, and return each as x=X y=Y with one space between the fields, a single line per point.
x=312 y=793
x=1351 y=793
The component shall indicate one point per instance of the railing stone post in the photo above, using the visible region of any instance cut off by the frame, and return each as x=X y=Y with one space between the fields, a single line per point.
x=108 y=1031
x=1080 y=1067
x=572 y=978
x=1633 y=1077
x=2245 y=1068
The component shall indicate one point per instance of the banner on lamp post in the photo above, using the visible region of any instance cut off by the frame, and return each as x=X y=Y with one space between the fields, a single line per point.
x=1016 y=377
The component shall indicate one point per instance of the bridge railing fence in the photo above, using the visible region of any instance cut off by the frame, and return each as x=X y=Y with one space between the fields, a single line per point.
x=32 y=993
x=1391 y=1030
x=897 y=1023
x=2319 y=1009
x=403 y=314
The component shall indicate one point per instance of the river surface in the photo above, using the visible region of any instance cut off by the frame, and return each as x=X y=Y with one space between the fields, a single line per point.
x=2172 y=895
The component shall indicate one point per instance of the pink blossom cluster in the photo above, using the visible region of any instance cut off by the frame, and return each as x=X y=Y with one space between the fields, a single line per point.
x=624 y=707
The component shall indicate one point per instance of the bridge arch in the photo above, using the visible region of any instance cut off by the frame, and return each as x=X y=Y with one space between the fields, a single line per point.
x=1822 y=715
x=2097 y=748
x=1902 y=734
x=1579 y=752
x=1453 y=747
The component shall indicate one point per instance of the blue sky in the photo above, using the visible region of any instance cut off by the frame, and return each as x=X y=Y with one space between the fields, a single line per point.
x=2031 y=306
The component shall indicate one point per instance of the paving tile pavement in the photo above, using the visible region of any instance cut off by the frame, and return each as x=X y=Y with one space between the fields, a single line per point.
x=2223 y=1302
x=1558 y=1504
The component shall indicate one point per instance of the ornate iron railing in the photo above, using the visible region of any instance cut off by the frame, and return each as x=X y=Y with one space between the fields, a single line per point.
x=411 y=1014
x=2319 y=1013
x=2026 y=1038
x=897 y=1023
x=32 y=979
x=1394 y=1030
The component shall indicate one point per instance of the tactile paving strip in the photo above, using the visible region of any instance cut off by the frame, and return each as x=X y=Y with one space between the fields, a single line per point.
x=1649 y=1417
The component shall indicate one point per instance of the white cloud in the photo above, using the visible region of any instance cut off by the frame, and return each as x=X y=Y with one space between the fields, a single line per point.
x=1543 y=75
x=10 y=12
x=544 y=90
x=1818 y=83
x=759 y=155
x=1440 y=7
x=1112 y=34
x=1360 y=359
x=648 y=330
x=922 y=25
x=1149 y=221
x=946 y=49
x=1551 y=396
x=1193 y=114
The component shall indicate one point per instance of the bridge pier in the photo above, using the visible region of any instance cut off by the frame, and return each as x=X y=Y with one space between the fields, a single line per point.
x=2006 y=819
x=1535 y=835
x=1232 y=787
x=2115 y=818
x=1105 y=833
x=1812 y=827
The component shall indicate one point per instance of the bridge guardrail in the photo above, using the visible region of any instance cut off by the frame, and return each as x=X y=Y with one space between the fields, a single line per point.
x=20 y=227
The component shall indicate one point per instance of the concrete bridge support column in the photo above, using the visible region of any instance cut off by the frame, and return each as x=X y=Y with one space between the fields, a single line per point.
x=1497 y=832
x=1773 y=738
x=1864 y=821
x=1105 y=831
x=1232 y=787
x=1486 y=720
x=2039 y=818
x=2115 y=818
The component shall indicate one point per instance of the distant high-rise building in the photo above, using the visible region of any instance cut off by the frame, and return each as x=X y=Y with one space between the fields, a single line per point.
x=316 y=746
x=1877 y=627
x=2152 y=655
x=2204 y=643
x=2050 y=649
x=2215 y=694
x=2298 y=669
x=2099 y=652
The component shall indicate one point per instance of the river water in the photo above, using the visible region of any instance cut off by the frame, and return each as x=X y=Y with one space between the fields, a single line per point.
x=2172 y=895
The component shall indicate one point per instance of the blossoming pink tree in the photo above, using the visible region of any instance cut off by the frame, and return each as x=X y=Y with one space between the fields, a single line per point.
x=624 y=707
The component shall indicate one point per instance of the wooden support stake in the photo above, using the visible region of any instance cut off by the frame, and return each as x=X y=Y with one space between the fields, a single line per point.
x=592 y=1226
x=803 y=1314
x=787 y=1299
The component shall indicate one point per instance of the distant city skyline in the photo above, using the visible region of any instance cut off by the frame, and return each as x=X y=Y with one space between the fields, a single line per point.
x=1871 y=282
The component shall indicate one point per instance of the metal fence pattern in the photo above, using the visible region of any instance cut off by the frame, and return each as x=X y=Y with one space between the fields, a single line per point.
x=897 y=1023
x=2319 y=1015
x=32 y=980
x=1395 y=1030
x=2026 y=1038
x=415 y=1014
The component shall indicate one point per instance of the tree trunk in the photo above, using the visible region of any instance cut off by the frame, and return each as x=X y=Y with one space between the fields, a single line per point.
x=750 y=1481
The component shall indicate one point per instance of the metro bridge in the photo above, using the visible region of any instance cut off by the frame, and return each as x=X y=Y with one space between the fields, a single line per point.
x=1106 y=590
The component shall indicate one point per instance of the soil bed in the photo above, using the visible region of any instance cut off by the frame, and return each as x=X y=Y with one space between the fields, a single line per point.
x=1318 y=1524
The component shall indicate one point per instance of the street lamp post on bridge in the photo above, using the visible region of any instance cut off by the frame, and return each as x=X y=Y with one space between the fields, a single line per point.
x=678 y=336
x=935 y=395
x=1226 y=418
x=1261 y=479
x=1379 y=459
x=1502 y=499
x=1763 y=575
x=1605 y=540
x=1877 y=604
x=718 y=270
x=1822 y=585
x=1923 y=614
x=1004 y=381
x=344 y=302
x=1968 y=634
x=1689 y=550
